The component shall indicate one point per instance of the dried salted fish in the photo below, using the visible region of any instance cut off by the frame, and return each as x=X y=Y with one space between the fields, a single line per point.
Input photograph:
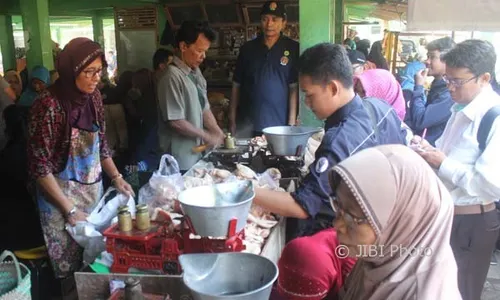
x=191 y=182
x=220 y=174
x=274 y=173
x=245 y=172
x=262 y=222
x=199 y=172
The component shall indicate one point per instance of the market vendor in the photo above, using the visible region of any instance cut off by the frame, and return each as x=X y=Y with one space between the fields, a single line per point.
x=265 y=89
x=67 y=151
x=326 y=77
x=186 y=118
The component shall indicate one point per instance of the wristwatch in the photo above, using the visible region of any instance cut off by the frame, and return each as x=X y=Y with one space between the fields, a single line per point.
x=71 y=212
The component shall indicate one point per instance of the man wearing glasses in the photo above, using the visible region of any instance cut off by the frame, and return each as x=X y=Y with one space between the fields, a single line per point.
x=470 y=173
x=431 y=113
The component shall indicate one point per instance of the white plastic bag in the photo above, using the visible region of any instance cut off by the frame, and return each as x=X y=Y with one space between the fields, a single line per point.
x=163 y=186
x=102 y=215
x=91 y=240
x=88 y=234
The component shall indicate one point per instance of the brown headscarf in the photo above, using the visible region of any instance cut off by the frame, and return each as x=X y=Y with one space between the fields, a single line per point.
x=14 y=74
x=407 y=206
x=70 y=62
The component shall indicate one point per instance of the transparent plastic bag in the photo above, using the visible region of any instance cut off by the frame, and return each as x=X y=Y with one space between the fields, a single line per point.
x=163 y=186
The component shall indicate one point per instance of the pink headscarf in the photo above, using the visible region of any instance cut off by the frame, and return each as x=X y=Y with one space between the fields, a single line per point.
x=381 y=84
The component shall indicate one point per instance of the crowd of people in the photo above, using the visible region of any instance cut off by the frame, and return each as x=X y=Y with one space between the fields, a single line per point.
x=404 y=181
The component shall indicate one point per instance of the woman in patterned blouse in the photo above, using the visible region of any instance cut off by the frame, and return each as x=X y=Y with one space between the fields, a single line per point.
x=67 y=150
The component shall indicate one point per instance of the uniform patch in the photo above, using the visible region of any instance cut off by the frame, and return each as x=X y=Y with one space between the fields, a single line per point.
x=284 y=61
x=273 y=6
x=286 y=53
x=322 y=165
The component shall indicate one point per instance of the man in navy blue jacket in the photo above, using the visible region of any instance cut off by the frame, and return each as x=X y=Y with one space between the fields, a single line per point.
x=326 y=78
x=434 y=113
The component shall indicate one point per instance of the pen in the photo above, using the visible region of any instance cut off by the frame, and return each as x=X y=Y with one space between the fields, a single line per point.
x=424 y=133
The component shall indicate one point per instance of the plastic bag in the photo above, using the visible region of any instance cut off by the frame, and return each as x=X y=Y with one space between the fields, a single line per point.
x=91 y=240
x=102 y=215
x=88 y=234
x=163 y=186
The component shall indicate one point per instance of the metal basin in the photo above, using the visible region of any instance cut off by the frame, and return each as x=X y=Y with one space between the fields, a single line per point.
x=288 y=140
x=210 y=208
x=222 y=276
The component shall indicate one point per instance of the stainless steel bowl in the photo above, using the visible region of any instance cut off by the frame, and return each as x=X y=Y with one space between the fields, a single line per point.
x=210 y=208
x=288 y=140
x=223 y=276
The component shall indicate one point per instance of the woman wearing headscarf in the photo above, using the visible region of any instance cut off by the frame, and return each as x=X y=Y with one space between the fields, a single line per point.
x=14 y=79
x=376 y=56
x=381 y=84
x=38 y=83
x=398 y=226
x=67 y=150
x=310 y=269
x=364 y=46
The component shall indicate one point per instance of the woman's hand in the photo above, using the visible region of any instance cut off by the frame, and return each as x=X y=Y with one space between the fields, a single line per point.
x=123 y=187
x=78 y=216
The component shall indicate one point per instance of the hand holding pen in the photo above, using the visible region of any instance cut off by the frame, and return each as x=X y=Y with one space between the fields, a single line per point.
x=419 y=144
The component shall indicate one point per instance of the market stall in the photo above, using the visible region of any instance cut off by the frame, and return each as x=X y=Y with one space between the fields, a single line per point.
x=264 y=233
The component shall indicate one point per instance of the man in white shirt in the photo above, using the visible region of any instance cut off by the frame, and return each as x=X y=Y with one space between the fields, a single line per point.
x=471 y=176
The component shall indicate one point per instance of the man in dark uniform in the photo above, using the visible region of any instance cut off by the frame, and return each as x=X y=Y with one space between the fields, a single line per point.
x=265 y=89
x=351 y=124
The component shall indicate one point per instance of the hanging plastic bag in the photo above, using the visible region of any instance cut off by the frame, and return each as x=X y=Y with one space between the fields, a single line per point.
x=107 y=208
x=88 y=234
x=91 y=240
x=163 y=186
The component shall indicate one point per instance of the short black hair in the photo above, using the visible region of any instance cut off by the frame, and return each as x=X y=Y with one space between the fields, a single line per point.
x=476 y=55
x=442 y=45
x=190 y=30
x=161 y=56
x=325 y=62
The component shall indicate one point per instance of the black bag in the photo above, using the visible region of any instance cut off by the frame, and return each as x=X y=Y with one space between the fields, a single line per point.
x=482 y=137
x=485 y=126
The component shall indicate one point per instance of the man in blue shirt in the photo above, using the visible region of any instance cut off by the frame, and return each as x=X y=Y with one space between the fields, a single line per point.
x=351 y=124
x=434 y=113
x=265 y=89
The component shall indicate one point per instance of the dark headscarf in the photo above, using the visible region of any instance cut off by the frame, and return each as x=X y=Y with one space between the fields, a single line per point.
x=363 y=46
x=377 y=57
x=70 y=62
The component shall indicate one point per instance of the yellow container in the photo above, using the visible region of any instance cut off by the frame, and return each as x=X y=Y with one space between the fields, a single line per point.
x=142 y=221
x=125 y=220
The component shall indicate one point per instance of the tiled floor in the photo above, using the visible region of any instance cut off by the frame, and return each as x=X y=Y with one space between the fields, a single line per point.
x=492 y=286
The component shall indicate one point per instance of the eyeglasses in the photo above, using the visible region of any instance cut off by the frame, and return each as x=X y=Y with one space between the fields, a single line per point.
x=349 y=219
x=457 y=82
x=91 y=73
